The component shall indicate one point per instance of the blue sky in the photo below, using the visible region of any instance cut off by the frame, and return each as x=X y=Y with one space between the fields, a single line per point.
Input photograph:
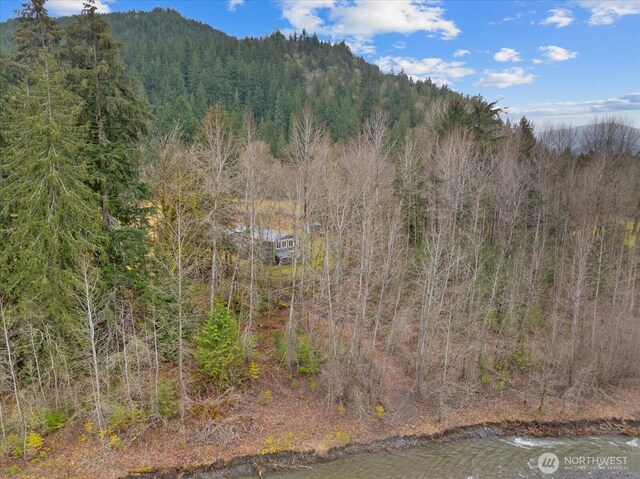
x=560 y=62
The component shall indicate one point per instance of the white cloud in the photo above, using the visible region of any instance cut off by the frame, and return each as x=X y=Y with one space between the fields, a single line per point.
x=505 y=78
x=303 y=15
x=361 y=46
x=440 y=71
x=560 y=17
x=358 y=21
x=557 y=54
x=74 y=7
x=537 y=61
x=233 y=4
x=517 y=16
x=461 y=52
x=606 y=12
x=400 y=45
x=507 y=55
x=630 y=102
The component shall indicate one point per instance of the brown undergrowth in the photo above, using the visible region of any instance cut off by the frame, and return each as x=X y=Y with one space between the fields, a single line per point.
x=276 y=412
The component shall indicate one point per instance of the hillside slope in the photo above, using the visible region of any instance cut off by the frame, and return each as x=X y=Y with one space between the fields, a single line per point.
x=185 y=66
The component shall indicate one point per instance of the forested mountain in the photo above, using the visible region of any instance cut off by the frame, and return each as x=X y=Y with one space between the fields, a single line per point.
x=185 y=66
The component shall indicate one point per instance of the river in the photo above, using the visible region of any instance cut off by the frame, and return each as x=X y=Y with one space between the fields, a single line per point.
x=489 y=458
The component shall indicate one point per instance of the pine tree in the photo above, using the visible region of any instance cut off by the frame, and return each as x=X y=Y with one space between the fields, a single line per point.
x=37 y=31
x=52 y=214
x=527 y=139
x=218 y=351
x=117 y=118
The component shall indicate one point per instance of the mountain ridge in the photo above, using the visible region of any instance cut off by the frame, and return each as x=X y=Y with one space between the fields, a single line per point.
x=185 y=66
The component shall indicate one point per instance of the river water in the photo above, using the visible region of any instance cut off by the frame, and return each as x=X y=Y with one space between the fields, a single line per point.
x=489 y=458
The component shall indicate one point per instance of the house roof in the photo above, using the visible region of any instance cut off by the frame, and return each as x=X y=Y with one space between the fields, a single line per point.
x=264 y=234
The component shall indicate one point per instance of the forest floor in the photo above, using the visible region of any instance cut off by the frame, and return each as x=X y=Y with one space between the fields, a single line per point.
x=291 y=416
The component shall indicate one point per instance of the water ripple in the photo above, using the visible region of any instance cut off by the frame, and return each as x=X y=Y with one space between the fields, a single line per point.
x=489 y=458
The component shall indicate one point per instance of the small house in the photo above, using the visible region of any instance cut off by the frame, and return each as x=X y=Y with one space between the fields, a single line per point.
x=272 y=246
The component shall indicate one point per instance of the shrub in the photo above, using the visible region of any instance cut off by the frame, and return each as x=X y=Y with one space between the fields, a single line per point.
x=342 y=437
x=168 y=405
x=281 y=347
x=278 y=444
x=339 y=437
x=520 y=357
x=308 y=358
x=115 y=442
x=122 y=418
x=265 y=397
x=53 y=419
x=254 y=371
x=88 y=426
x=379 y=411
x=17 y=452
x=34 y=441
x=218 y=350
x=15 y=445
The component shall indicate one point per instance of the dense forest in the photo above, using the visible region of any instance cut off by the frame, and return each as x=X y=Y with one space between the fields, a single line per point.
x=438 y=252
x=184 y=66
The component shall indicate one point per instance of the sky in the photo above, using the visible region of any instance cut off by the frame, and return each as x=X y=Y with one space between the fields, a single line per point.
x=553 y=61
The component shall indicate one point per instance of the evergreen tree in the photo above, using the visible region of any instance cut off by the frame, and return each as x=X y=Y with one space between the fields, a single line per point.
x=117 y=118
x=50 y=212
x=37 y=30
x=474 y=115
x=527 y=139
x=218 y=350
x=485 y=121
